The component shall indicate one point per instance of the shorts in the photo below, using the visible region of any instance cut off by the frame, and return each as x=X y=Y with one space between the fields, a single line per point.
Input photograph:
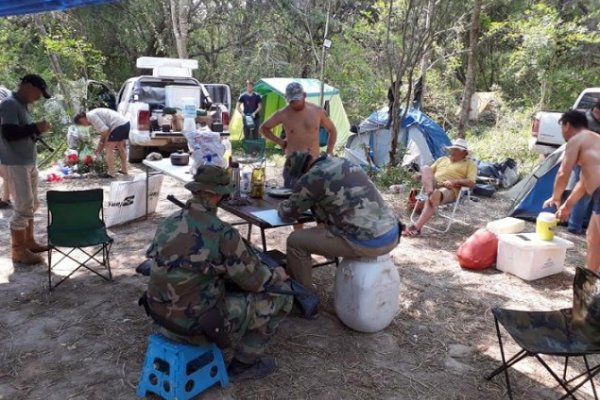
x=119 y=133
x=448 y=195
x=596 y=201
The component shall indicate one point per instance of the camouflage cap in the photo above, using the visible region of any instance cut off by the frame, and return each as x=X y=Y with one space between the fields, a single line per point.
x=294 y=91
x=296 y=163
x=210 y=179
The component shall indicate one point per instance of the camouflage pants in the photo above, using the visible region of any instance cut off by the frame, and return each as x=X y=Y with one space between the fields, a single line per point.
x=251 y=320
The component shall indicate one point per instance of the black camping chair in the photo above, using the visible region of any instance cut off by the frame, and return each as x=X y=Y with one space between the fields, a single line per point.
x=571 y=332
x=76 y=221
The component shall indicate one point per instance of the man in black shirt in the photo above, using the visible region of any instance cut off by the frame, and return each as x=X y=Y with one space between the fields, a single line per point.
x=249 y=105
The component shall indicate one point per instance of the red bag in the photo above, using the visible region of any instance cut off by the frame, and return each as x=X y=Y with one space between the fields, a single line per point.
x=479 y=251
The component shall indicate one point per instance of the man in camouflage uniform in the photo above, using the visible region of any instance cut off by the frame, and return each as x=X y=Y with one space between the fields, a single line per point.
x=201 y=264
x=354 y=220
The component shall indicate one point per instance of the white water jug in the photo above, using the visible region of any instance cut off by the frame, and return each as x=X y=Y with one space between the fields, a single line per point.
x=366 y=293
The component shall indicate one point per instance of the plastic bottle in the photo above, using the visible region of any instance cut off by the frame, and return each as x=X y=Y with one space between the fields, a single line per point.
x=235 y=178
x=227 y=145
x=189 y=115
x=245 y=180
x=257 y=187
x=396 y=188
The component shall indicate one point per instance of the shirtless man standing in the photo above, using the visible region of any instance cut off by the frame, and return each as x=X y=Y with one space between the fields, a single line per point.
x=583 y=149
x=301 y=121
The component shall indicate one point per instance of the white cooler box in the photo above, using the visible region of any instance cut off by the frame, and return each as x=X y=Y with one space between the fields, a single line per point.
x=528 y=257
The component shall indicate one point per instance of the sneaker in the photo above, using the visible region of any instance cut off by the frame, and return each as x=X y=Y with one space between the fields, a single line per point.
x=576 y=231
x=239 y=371
x=106 y=175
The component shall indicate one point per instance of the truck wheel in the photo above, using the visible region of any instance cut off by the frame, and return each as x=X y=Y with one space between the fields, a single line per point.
x=136 y=153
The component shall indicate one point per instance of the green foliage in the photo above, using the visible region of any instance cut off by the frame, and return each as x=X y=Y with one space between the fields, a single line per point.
x=509 y=138
x=392 y=176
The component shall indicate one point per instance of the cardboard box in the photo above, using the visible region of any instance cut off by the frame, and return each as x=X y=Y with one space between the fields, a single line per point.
x=528 y=257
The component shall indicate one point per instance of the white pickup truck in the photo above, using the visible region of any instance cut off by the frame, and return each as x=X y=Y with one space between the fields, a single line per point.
x=545 y=130
x=145 y=99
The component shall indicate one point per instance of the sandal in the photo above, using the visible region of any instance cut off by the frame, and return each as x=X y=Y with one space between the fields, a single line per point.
x=411 y=231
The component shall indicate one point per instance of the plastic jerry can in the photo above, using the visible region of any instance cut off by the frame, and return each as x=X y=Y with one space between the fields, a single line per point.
x=366 y=293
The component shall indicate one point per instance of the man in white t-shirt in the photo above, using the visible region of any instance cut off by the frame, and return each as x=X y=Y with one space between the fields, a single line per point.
x=114 y=130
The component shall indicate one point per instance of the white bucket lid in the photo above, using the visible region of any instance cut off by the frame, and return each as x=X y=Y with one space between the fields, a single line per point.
x=546 y=217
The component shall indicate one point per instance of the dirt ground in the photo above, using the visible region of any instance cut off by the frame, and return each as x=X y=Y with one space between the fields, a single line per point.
x=87 y=339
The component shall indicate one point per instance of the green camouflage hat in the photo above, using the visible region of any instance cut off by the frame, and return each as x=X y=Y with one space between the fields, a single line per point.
x=211 y=179
x=296 y=163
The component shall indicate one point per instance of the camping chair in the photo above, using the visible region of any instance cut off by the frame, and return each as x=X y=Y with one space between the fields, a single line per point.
x=76 y=221
x=463 y=194
x=571 y=332
x=254 y=151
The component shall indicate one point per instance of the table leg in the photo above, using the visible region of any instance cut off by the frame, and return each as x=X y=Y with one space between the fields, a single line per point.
x=147 y=184
x=264 y=239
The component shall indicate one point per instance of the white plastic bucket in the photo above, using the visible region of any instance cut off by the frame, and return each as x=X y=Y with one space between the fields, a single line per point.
x=366 y=293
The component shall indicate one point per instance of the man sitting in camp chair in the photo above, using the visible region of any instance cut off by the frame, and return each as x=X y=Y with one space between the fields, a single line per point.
x=442 y=182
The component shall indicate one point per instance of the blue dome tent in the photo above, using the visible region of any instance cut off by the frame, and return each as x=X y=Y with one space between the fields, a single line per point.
x=422 y=137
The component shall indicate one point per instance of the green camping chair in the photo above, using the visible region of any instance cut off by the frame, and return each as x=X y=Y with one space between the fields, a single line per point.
x=571 y=332
x=76 y=221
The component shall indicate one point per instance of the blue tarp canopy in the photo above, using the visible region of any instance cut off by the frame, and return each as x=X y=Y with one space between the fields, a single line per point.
x=13 y=7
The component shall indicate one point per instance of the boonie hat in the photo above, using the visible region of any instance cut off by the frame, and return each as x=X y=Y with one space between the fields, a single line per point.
x=296 y=162
x=211 y=179
x=294 y=91
x=38 y=82
x=460 y=144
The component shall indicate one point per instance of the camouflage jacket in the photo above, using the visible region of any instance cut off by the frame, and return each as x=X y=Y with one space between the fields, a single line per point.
x=195 y=254
x=342 y=196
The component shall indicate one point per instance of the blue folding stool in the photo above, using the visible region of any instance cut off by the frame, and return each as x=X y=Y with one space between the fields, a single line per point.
x=180 y=371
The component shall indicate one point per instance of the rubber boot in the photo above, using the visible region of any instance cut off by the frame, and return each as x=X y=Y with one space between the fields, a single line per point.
x=20 y=253
x=30 y=242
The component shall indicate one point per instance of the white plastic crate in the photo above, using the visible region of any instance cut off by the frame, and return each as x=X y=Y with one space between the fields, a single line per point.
x=175 y=95
x=528 y=257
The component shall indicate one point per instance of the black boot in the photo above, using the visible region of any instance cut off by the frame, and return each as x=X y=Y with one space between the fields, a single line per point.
x=239 y=371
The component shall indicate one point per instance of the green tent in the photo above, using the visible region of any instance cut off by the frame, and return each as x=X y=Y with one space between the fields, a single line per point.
x=272 y=91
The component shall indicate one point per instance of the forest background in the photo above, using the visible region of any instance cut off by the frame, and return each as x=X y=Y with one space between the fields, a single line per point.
x=535 y=55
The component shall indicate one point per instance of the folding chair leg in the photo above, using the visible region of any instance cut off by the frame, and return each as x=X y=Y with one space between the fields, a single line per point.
x=505 y=365
x=591 y=376
x=49 y=268
x=560 y=381
x=590 y=373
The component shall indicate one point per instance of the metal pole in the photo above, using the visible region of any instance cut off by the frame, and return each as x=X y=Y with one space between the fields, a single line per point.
x=321 y=97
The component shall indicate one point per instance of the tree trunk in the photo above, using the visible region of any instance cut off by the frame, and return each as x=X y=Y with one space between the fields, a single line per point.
x=465 y=104
x=55 y=65
x=180 y=10
x=427 y=54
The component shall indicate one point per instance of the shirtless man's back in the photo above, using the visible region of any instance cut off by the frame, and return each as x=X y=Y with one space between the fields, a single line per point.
x=301 y=121
x=583 y=148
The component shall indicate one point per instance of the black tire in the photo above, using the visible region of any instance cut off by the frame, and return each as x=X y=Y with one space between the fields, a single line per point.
x=136 y=153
